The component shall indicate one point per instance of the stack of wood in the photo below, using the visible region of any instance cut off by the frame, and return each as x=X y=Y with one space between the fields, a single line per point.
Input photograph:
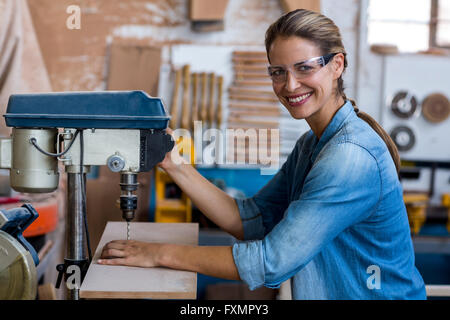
x=201 y=99
x=252 y=102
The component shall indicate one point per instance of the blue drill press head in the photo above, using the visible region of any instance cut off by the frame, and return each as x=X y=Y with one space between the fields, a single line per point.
x=84 y=110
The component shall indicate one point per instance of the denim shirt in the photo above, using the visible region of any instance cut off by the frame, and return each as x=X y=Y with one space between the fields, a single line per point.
x=332 y=220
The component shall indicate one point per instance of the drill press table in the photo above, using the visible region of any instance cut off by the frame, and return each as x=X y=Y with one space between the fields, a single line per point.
x=120 y=282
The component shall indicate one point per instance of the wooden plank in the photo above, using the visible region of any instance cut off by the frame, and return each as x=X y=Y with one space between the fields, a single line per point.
x=244 y=97
x=211 y=107
x=239 y=68
x=174 y=106
x=251 y=76
x=219 y=100
x=121 y=282
x=240 y=148
x=204 y=103
x=246 y=126
x=195 y=85
x=251 y=73
x=253 y=113
x=46 y=292
x=438 y=290
x=186 y=110
x=249 y=60
x=45 y=249
x=255 y=83
x=134 y=68
x=239 y=90
x=238 y=123
x=250 y=53
x=254 y=107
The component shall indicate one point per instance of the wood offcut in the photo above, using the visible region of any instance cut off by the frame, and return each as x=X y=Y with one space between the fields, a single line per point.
x=120 y=282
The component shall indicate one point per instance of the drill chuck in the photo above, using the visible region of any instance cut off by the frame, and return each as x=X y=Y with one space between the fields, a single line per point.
x=128 y=205
x=128 y=199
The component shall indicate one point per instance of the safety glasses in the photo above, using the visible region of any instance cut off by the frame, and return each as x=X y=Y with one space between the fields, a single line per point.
x=300 y=70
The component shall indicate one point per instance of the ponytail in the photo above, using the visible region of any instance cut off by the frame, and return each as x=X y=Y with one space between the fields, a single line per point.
x=380 y=131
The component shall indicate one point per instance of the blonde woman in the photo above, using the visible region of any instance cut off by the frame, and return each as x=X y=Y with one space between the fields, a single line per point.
x=333 y=218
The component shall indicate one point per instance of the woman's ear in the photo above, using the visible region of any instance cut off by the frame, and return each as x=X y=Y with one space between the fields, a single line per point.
x=338 y=65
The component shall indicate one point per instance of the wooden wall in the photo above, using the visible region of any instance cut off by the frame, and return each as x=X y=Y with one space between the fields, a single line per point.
x=75 y=59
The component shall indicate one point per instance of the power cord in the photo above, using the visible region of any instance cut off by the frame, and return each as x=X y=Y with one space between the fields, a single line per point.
x=33 y=141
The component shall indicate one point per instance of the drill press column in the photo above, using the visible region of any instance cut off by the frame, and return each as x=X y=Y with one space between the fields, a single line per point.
x=76 y=238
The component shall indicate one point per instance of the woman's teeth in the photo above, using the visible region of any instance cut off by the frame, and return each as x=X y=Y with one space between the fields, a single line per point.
x=298 y=99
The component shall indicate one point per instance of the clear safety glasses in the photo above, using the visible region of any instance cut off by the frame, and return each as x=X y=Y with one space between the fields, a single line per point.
x=300 y=70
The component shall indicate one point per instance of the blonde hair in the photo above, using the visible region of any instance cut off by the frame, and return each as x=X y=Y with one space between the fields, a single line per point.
x=325 y=34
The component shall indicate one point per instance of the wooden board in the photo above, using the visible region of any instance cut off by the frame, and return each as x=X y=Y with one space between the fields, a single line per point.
x=134 y=67
x=120 y=282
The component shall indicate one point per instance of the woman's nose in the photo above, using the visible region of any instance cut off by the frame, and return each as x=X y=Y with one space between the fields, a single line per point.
x=291 y=82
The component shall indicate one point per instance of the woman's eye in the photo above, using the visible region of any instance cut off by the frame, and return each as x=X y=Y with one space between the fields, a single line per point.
x=303 y=68
x=278 y=72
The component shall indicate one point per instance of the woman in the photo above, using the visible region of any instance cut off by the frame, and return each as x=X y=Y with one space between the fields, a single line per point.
x=333 y=218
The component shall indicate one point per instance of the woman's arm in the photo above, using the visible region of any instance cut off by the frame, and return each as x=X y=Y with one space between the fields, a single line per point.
x=210 y=200
x=215 y=261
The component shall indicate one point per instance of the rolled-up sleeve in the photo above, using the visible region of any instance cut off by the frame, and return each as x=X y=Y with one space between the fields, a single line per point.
x=260 y=213
x=251 y=217
x=342 y=188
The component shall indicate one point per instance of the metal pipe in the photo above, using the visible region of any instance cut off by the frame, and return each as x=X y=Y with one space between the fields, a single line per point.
x=76 y=240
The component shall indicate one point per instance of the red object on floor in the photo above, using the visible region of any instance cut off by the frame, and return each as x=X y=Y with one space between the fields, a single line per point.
x=47 y=220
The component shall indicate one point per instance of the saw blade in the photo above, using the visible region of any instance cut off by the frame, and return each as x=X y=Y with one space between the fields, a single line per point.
x=403 y=138
x=404 y=105
x=18 y=279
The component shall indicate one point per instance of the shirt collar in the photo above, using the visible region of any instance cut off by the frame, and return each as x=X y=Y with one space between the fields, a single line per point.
x=334 y=126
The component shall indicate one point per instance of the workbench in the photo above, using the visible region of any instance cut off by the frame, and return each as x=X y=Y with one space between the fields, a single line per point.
x=121 y=282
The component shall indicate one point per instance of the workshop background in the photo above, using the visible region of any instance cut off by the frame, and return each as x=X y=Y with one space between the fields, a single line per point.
x=206 y=60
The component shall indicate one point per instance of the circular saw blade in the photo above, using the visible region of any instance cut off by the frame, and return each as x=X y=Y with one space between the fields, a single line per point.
x=403 y=138
x=404 y=105
x=18 y=277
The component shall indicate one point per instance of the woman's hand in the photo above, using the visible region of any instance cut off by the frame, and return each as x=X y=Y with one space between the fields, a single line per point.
x=172 y=158
x=131 y=253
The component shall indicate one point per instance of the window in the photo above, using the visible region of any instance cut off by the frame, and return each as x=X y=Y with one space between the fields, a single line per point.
x=410 y=25
x=440 y=24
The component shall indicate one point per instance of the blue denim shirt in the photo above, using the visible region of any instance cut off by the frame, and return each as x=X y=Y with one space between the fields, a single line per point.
x=332 y=219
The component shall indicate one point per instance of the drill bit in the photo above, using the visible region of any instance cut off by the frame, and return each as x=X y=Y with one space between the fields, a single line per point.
x=128 y=200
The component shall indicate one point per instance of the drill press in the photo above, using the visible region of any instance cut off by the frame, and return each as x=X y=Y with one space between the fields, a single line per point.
x=124 y=130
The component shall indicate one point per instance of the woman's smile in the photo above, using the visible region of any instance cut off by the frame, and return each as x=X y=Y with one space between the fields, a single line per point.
x=298 y=99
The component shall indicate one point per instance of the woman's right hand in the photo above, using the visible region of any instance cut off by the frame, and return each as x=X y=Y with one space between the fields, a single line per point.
x=204 y=195
x=173 y=158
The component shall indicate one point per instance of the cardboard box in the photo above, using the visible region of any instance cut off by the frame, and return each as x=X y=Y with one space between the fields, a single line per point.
x=134 y=67
x=290 y=5
x=207 y=10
